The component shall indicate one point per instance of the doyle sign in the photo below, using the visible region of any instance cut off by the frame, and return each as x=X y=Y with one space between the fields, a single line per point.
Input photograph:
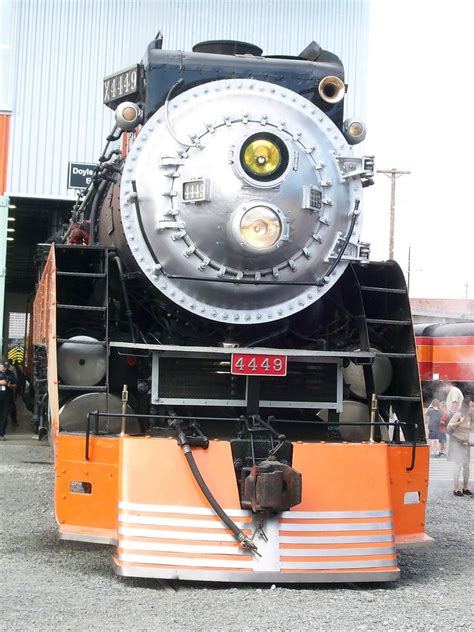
x=80 y=174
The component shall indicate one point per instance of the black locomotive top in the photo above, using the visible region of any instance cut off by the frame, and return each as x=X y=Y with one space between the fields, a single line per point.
x=228 y=59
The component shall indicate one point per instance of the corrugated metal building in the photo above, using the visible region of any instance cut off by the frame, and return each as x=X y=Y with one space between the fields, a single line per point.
x=54 y=55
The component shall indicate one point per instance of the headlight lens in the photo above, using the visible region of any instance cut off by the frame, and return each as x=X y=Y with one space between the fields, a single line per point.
x=260 y=227
x=264 y=157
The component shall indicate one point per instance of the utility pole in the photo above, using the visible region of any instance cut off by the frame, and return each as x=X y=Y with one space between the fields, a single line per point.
x=466 y=286
x=393 y=174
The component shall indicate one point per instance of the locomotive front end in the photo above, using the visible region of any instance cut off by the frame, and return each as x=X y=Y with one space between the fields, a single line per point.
x=236 y=396
x=241 y=201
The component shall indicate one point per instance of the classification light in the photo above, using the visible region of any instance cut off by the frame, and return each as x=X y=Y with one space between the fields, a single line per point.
x=128 y=115
x=354 y=131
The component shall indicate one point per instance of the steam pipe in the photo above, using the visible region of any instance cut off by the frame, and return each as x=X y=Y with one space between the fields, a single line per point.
x=95 y=205
x=128 y=312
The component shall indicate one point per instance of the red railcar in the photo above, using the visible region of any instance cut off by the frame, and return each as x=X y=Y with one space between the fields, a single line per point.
x=446 y=354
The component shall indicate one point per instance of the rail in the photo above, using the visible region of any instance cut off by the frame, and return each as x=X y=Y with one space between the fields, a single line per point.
x=96 y=414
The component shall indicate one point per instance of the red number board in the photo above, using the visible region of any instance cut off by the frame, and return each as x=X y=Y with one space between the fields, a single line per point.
x=256 y=364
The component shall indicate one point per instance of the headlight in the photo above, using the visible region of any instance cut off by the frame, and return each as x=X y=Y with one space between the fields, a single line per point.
x=264 y=157
x=260 y=227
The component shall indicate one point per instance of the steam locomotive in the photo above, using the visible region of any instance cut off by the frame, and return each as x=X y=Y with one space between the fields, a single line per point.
x=230 y=385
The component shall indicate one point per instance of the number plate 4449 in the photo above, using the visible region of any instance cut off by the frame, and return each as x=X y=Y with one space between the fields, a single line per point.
x=256 y=364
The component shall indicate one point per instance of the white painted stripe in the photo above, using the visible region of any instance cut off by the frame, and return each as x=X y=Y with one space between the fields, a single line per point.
x=335 y=539
x=181 y=548
x=338 y=565
x=177 y=509
x=201 y=536
x=178 y=522
x=336 y=526
x=342 y=552
x=336 y=514
x=195 y=562
x=242 y=513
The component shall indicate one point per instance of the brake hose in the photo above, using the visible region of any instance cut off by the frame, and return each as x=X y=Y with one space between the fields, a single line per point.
x=183 y=442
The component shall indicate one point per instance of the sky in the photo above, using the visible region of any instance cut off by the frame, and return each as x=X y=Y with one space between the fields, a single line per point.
x=421 y=119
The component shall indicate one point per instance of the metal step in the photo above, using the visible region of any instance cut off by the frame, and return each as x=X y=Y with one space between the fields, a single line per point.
x=92 y=389
x=86 y=308
x=92 y=275
x=396 y=355
x=383 y=321
x=388 y=290
x=399 y=398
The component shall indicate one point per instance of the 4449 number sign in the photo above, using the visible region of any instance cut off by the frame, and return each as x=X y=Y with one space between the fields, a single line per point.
x=258 y=364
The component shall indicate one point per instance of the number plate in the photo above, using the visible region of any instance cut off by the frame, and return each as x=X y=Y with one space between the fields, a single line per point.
x=254 y=364
x=121 y=84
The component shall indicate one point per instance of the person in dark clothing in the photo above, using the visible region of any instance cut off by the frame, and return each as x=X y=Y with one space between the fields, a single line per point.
x=11 y=377
x=434 y=424
x=20 y=380
x=4 y=400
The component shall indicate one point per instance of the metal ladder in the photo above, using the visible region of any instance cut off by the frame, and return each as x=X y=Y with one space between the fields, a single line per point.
x=70 y=259
x=389 y=328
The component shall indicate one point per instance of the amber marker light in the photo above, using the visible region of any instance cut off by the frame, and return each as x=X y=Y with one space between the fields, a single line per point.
x=354 y=131
x=128 y=115
x=260 y=227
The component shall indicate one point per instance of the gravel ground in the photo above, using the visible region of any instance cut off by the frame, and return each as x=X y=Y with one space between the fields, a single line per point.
x=53 y=585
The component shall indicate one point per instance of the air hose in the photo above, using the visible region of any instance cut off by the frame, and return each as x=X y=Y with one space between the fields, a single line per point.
x=184 y=443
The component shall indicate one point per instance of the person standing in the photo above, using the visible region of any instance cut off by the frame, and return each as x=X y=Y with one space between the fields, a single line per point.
x=11 y=392
x=459 y=451
x=433 y=414
x=4 y=400
x=443 y=437
x=453 y=396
